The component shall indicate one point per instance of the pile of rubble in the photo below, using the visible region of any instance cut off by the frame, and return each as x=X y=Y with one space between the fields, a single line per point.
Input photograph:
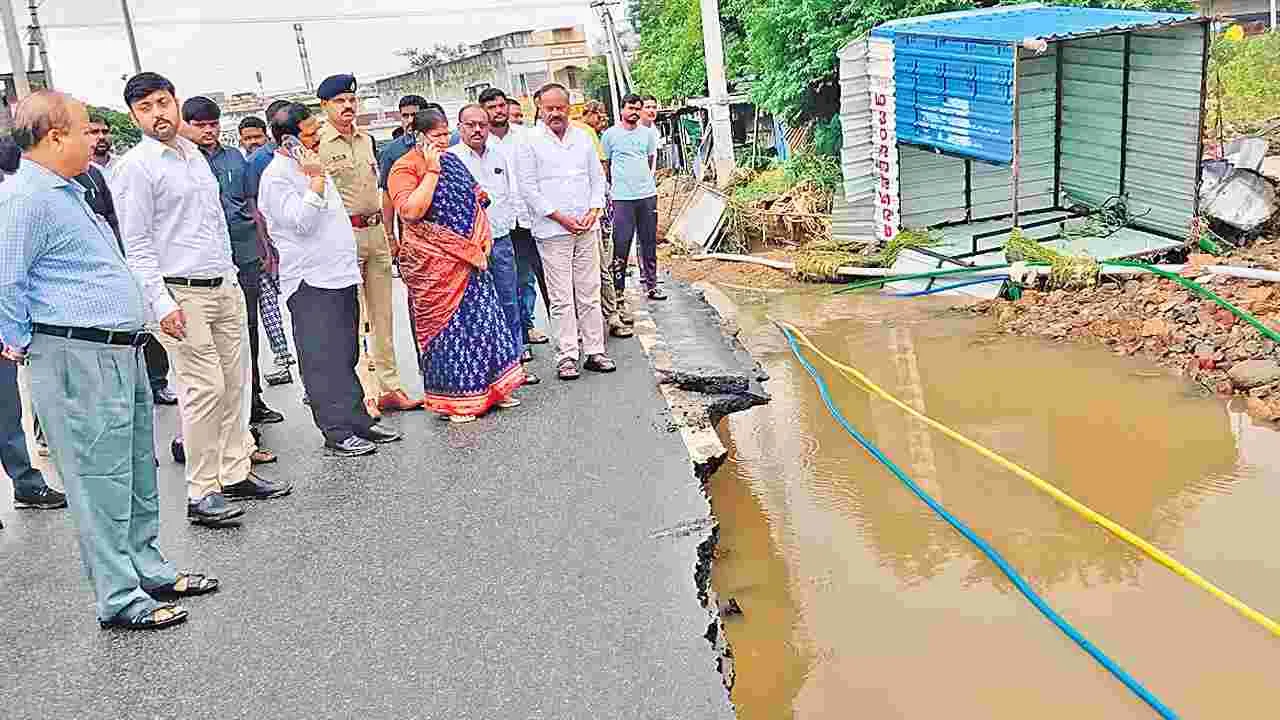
x=1161 y=320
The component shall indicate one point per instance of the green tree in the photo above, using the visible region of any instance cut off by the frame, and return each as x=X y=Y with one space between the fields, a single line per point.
x=669 y=62
x=124 y=133
x=596 y=79
x=788 y=48
x=437 y=55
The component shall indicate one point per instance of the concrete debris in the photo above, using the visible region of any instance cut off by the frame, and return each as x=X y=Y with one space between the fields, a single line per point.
x=1240 y=198
x=1271 y=168
x=1250 y=374
x=730 y=608
x=1246 y=152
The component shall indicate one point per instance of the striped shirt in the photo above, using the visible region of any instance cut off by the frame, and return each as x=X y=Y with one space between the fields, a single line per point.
x=60 y=263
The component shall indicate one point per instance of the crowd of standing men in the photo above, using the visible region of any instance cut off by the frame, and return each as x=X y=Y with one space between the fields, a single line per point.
x=116 y=270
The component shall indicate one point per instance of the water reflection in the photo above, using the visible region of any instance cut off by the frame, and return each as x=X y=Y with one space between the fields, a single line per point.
x=865 y=587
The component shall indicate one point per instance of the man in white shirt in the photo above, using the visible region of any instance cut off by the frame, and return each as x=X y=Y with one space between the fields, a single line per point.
x=492 y=168
x=319 y=279
x=562 y=182
x=507 y=133
x=103 y=158
x=177 y=244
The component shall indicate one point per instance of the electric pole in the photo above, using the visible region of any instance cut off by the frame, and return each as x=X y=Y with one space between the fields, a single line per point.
x=36 y=41
x=613 y=85
x=133 y=41
x=14 y=46
x=718 y=89
x=302 y=55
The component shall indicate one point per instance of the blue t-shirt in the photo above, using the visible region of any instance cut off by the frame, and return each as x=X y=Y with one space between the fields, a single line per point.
x=392 y=152
x=628 y=152
x=258 y=161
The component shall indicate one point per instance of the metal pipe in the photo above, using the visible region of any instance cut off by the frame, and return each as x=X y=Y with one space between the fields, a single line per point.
x=133 y=41
x=1015 y=170
x=38 y=45
x=1124 y=111
x=14 y=45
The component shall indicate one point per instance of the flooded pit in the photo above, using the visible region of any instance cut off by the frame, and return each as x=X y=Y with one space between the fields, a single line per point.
x=859 y=602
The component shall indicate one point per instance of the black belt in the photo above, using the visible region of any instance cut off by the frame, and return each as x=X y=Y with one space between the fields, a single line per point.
x=106 y=337
x=194 y=282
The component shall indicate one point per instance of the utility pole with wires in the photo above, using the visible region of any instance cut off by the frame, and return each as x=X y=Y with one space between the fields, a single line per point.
x=619 y=73
x=133 y=41
x=718 y=89
x=14 y=46
x=302 y=55
x=35 y=40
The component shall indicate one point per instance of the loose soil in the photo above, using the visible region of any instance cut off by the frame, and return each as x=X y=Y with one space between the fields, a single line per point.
x=1164 y=322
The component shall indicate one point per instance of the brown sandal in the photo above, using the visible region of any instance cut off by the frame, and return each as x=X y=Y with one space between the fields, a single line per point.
x=567 y=370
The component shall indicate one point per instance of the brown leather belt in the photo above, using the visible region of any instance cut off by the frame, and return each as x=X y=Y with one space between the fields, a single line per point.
x=361 y=222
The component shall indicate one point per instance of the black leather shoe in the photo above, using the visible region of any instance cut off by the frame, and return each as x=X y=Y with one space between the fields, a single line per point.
x=526 y=356
x=378 y=434
x=351 y=447
x=531 y=379
x=44 y=499
x=179 y=451
x=212 y=511
x=263 y=415
x=254 y=487
x=164 y=396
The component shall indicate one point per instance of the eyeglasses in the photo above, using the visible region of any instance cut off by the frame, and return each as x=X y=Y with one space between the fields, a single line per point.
x=474 y=124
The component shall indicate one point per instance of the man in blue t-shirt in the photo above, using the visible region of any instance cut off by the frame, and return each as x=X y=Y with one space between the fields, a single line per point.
x=629 y=152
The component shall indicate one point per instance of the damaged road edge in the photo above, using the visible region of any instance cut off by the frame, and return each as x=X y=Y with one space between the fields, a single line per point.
x=704 y=373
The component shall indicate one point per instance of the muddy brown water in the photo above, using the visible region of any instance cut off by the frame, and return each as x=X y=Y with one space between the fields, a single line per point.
x=860 y=603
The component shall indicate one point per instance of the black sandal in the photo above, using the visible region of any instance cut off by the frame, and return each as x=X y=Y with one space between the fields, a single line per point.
x=161 y=616
x=188 y=584
x=600 y=363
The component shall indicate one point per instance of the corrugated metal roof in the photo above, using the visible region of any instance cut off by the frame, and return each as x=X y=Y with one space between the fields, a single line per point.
x=1014 y=24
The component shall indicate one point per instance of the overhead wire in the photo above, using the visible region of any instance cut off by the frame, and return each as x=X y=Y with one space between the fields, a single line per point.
x=325 y=18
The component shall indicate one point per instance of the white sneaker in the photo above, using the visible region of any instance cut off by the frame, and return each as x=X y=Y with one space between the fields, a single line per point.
x=509 y=403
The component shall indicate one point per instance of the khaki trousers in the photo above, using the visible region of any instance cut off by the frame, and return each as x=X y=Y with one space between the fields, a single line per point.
x=376 y=313
x=210 y=367
x=572 y=266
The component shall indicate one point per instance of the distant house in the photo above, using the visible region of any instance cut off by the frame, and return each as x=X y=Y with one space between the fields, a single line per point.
x=518 y=63
x=1244 y=11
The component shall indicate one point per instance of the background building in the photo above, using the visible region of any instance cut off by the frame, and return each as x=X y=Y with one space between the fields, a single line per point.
x=518 y=63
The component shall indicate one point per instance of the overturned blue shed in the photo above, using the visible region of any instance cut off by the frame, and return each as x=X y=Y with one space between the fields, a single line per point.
x=975 y=122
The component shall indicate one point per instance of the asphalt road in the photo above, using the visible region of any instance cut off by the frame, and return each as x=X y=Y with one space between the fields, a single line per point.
x=515 y=567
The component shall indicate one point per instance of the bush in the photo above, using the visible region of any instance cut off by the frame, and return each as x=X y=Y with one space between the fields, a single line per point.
x=821 y=170
x=827 y=137
x=1244 y=82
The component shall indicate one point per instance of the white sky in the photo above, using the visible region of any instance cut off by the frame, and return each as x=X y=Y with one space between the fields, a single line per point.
x=204 y=58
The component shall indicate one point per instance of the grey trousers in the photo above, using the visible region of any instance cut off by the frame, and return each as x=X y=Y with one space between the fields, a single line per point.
x=95 y=403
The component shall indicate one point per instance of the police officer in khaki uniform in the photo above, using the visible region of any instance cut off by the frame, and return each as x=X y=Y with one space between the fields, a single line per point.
x=350 y=158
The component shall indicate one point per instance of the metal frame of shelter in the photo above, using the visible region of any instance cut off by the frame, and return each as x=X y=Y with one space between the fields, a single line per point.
x=1110 y=103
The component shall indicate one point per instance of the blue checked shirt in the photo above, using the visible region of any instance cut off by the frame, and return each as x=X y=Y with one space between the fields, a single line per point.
x=60 y=263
